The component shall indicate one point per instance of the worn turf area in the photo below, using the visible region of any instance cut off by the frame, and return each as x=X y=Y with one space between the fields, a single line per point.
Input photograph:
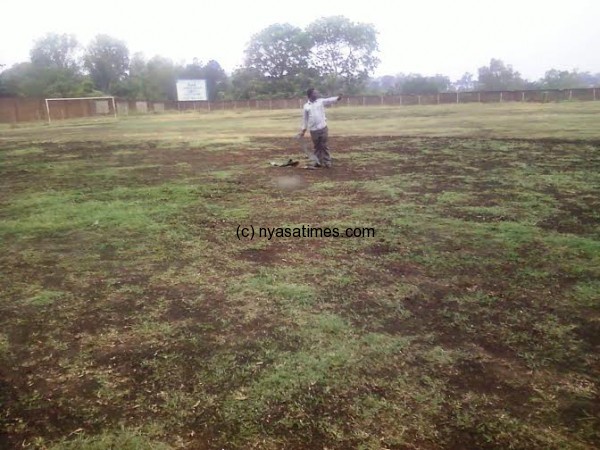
x=132 y=316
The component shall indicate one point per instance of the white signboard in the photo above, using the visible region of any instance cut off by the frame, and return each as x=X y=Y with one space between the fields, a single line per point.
x=191 y=90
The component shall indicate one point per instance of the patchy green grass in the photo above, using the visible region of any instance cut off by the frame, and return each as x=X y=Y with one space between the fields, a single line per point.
x=122 y=440
x=508 y=120
x=143 y=209
x=133 y=316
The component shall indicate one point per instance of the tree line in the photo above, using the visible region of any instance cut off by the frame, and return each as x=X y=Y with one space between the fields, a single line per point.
x=333 y=54
x=497 y=76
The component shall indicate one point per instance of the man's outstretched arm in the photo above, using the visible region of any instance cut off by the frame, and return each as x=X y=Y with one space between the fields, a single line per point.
x=331 y=100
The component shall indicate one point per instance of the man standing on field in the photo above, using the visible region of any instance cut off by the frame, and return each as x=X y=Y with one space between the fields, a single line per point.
x=314 y=119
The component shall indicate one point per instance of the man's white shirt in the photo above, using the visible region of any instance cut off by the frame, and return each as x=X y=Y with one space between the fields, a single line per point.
x=314 y=113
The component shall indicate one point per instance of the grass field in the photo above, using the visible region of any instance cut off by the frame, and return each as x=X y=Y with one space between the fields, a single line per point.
x=133 y=317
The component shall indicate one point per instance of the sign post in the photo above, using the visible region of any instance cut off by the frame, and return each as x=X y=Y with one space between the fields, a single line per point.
x=191 y=90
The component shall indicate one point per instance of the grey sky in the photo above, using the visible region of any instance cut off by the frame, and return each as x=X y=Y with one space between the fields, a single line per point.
x=426 y=36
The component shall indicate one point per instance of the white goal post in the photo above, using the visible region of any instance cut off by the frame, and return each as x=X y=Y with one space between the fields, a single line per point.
x=108 y=98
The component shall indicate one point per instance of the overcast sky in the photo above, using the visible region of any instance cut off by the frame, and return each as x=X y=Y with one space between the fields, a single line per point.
x=419 y=36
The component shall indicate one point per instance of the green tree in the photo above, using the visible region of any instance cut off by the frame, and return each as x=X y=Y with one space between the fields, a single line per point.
x=466 y=83
x=133 y=86
x=343 y=52
x=192 y=71
x=498 y=76
x=383 y=85
x=591 y=80
x=107 y=60
x=55 y=50
x=563 y=79
x=279 y=56
x=29 y=80
x=216 y=80
x=160 y=79
x=52 y=72
x=14 y=77
x=415 y=83
x=3 y=88
x=419 y=84
x=248 y=83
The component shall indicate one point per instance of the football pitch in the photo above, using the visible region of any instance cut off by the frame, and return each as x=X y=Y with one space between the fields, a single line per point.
x=163 y=286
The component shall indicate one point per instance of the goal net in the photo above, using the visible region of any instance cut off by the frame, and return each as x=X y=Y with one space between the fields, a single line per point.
x=71 y=108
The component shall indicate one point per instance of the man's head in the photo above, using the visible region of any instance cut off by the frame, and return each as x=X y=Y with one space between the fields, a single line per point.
x=312 y=94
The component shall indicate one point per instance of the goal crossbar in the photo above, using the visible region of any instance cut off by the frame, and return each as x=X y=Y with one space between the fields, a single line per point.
x=48 y=100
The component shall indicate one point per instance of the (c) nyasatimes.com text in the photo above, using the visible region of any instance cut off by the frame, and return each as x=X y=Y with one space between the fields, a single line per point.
x=249 y=232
